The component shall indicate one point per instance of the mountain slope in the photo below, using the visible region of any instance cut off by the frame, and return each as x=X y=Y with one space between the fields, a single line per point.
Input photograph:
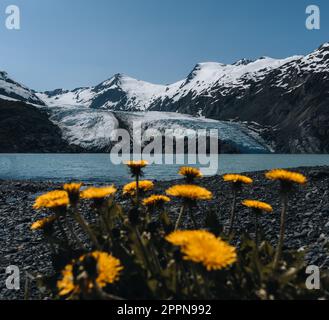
x=12 y=90
x=293 y=99
x=25 y=128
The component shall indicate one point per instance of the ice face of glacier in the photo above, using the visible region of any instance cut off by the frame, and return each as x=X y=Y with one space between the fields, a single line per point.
x=94 y=130
x=236 y=135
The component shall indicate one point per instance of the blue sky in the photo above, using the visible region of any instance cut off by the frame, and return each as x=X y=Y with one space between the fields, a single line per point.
x=71 y=43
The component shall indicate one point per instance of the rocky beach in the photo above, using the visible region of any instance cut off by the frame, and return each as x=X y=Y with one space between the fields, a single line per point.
x=307 y=221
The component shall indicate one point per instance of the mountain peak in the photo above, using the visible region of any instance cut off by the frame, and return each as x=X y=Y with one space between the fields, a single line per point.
x=116 y=79
x=208 y=65
x=324 y=47
x=264 y=58
x=3 y=75
x=55 y=92
x=242 y=62
x=118 y=76
x=204 y=68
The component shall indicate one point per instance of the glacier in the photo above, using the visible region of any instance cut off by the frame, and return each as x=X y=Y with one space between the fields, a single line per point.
x=234 y=134
x=94 y=129
x=90 y=129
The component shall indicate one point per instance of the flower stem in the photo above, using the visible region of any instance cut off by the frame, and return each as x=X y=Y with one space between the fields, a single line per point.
x=137 y=190
x=284 y=199
x=232 y=217
x=181 y=213
x=143 y=249
x=61 y=228
x=75 y=237
x=206 y=281
x=256 y=228
x=193 y=218
x=257 y=260
x=51 y=244
x=84 y=225
x=101 y=295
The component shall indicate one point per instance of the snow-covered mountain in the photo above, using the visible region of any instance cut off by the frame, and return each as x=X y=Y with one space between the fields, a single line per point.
x=289 y=97
x=118 y=93
x=265 y=104
x=206 y=80
x=123 y=93
x=91 y=129
x=12 y=90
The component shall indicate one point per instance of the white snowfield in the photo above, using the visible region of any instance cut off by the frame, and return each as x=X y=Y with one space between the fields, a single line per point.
x=77 y=97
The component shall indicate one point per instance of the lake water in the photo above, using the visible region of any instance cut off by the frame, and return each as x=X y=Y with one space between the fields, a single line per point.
x=99 y=168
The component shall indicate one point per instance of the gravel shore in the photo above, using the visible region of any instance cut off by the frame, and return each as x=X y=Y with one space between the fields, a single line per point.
x=307 y=222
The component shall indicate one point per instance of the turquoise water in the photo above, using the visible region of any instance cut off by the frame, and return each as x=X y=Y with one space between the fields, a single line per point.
x=99 y=168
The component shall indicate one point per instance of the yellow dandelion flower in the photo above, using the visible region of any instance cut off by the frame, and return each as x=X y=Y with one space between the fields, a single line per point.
x=108 y=272
x=144 y=185
x=66 y=284
x=98 y=193
x=190 y=192
x=40 y=224
x=136 y=167
x=203 y=247
x=72 y=187
x=182 y=237
x=214 y=254
x=137 y=164
x=73 y=190
x=237 y=178
x=285 y=175
x=190 y=173
x=52 y=199
x=155 y=200
x=259 y=205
